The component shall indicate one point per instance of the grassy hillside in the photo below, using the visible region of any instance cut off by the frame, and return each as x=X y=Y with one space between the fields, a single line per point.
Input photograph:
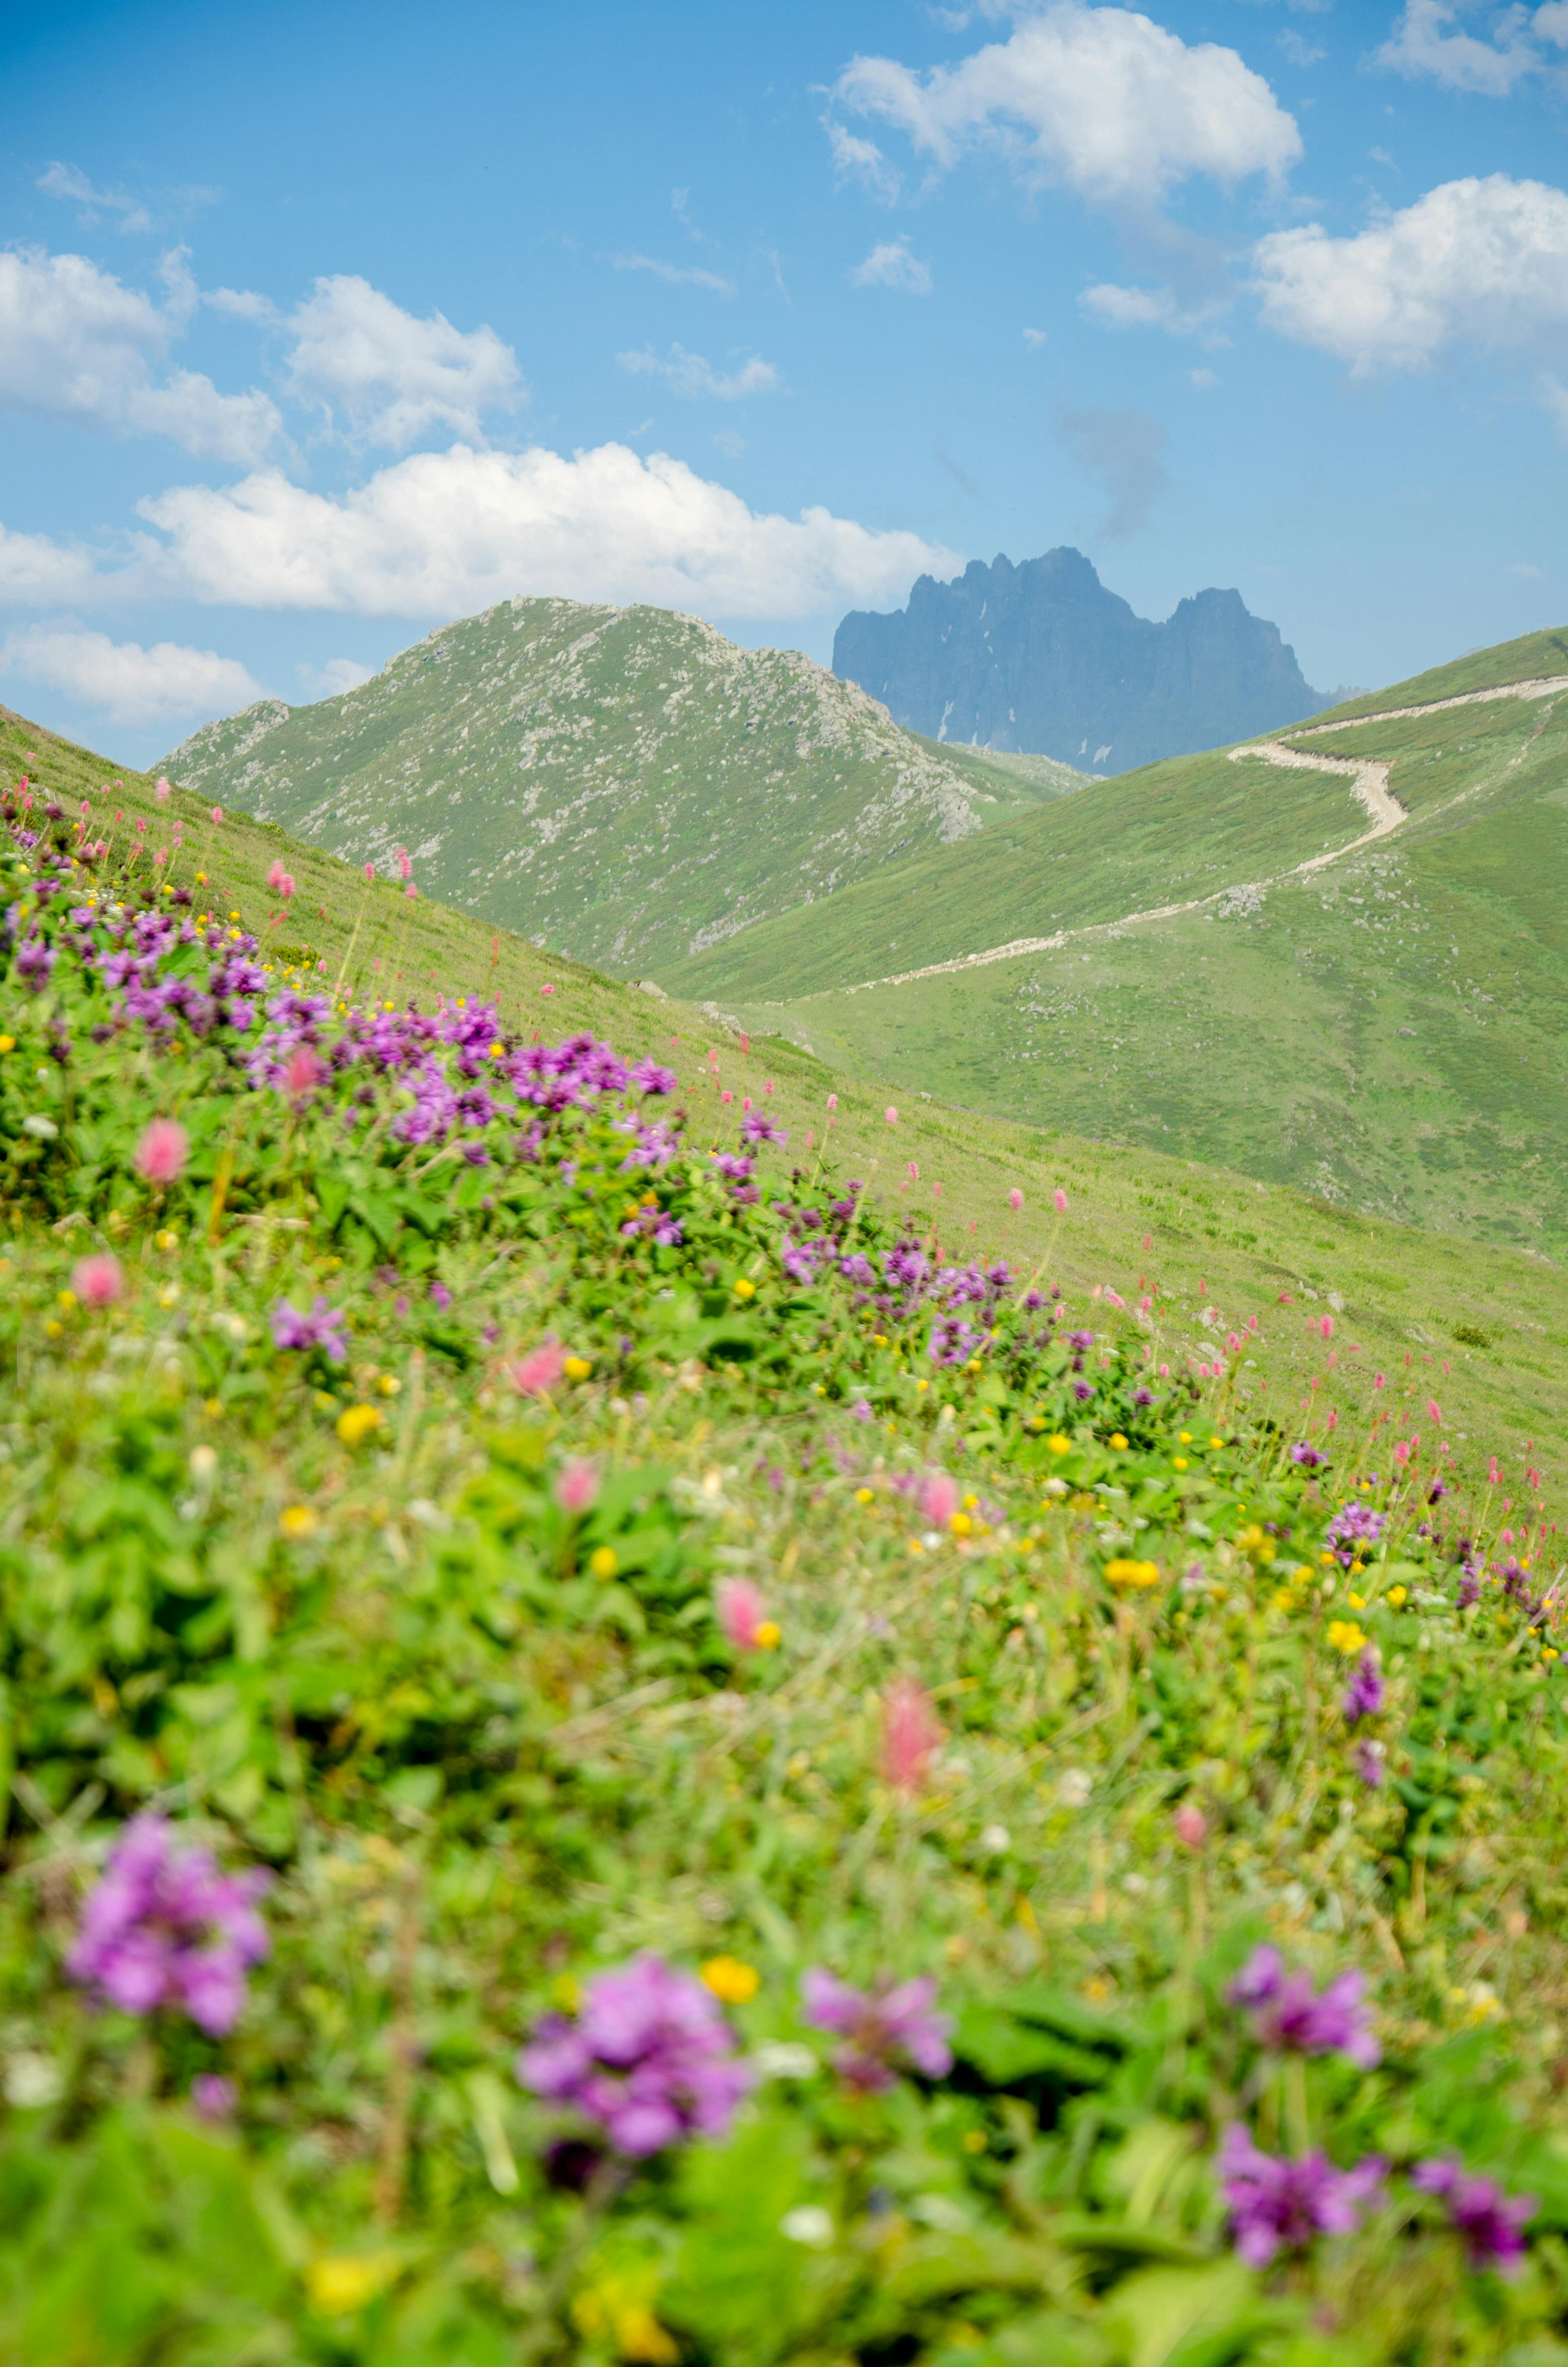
x=606 y=1762
x=621 y=783
x=1487 y=1324
x=1386 y=1032
x=998 y=768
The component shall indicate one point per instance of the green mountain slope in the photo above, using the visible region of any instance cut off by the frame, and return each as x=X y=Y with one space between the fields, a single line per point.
x=621 y=782
x=1484 y=1323
x=1386 y=1030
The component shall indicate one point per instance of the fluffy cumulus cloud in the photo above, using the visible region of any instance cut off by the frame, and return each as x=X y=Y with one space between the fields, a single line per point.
x=1478 y=263
x=1147 y=307
x=442 y=534
x=75 y=343
x=1428 y=39
x=1103 y=99
x=125 y=682
x=689 y=374
x=891 y=264
x=338 y=675
x=393 y=376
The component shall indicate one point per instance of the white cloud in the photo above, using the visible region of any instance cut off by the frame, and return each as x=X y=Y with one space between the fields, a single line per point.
x=443 y=534
x=1300 y=53
x=35 y=571
x=891 y=264
x=1203 y=379
x=727 y=441
x=338 y=675
x=861 y=160
x=1035 y=339
x=1478 y=263
x=1422 y=44
x=1147 y=307
x=1554 y=399
x=66 y=181
x=126 y=683
x=77 y=344
x=392 y=375
x=241 y=303
x=1523 y=567
x=1102 y=99
x=690 y=374
x=677 y=275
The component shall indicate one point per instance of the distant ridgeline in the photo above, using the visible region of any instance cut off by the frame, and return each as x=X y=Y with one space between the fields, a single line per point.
x=1041 y=658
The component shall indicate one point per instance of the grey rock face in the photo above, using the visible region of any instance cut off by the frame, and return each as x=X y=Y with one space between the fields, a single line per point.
x=1043 y=659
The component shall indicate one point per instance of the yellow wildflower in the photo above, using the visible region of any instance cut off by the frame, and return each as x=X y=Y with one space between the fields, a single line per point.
x=602 y=1561
x=1346 y=1636
x=1117 y=1440
x=732 y=1982
x=745 y=1288
x=577 y=1369
x=166 y=1239
x=68 y=1299
x=865 y=1496
x=8 y=1043
x=1357 y=1601
x=356 y=1423
x=1396 y=1596
x=1060 y=1445
x=1178 y=1462
x=1122 y=1572
x=767 y=1636
x=962 y=1525
x=346 y=2281
x=388 y=1385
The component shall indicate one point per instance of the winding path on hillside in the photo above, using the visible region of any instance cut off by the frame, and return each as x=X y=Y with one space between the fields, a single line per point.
x=1368 y=782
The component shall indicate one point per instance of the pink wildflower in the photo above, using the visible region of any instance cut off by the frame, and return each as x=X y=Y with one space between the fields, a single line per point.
x=279 y=881
x=217 y=814
x=302 y=1070
x=370 y=871
x=744 y=1614
x=939 y=1498
x=891 y=1114
x=1190 y=1825
x=161 y=791
x=832 y=1101
x=910 y=1732
x=538 y=1372
x=577 y=1486
x=162 y=1152
x=411 y=889
x=1060 y=1200
x=914 y=1171
x=1325 y=1327
x=1015 y=1199
x=97 y=1280
x=1434 y=1411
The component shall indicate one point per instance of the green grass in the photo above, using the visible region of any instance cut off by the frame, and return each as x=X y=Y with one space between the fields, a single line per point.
x=623 y=784
x=1386 y=1034
x=340 y=1622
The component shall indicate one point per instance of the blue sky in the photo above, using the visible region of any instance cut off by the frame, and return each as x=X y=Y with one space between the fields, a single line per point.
x=319 y=326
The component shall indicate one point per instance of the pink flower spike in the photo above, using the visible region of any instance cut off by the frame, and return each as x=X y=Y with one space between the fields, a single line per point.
x=411 y=889
x=162 y=1152
x=1325 y=1327
x=302 y=1071
x=1059 y=1200
x=97 y=1280
x=742 y=1612
x=832 y=1101
x=162 y=791
x=939 y=1498
x=217 y=813
x=577 y=1486
x=1434 y=1411
x=914 y=1171
x=537 y=1373
x=725 y=1094
x=1190 y=1825
x=1015 y=1199
x=370 y=871
x=910 y=1733
x=891 y=1114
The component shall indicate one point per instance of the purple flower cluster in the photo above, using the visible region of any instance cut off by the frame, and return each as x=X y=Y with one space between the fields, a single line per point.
x=322 y=1328
x=881 y=2028
x=1353 y=1530
x=1488 y=2221
x=1365 y=1692
x=1279 y=2206
x=163 y=1929
x=650 y=2059
x=1289 y=2015
x=1307 y=1458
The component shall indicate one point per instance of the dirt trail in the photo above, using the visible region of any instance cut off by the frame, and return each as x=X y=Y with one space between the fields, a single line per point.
x=1368 y=782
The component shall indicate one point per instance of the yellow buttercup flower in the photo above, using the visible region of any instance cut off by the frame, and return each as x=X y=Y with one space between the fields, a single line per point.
x=1122 y=1572
x=865 y=1496
x=297 y=1521
x=732 y=1982
x=1060 y=1445
x=577 y=1369
x=745 y=1288
x=1396 y=1596
x=1117 y=1440
x=962 y=1525
x=601 y=1562
x=1178 y=1462
x=1346 y=1636
x=767 y=1636
x=8 y=1043
x=346 y=2280
x=356 y=1423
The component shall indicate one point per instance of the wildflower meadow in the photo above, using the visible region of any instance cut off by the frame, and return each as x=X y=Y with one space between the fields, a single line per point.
x=616 y=1751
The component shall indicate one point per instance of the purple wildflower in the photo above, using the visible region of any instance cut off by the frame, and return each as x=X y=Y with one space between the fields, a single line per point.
x=1353 y=1529
x=164 y=1928
x=650 y=2058
x=323 y=1328
x=1364 y=1694
x=35 y=959
x=441 y=1298
x=879 y=2025
x=754 y=1128
x=731 y=1164
x=649 y=1078
x=1289 y=2015
x=1367 y=1763
x=1488 y=2221
x=1279 y=2206
x=1307 y=1457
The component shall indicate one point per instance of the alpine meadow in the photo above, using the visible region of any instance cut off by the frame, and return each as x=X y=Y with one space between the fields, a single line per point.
x=782 y=1445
